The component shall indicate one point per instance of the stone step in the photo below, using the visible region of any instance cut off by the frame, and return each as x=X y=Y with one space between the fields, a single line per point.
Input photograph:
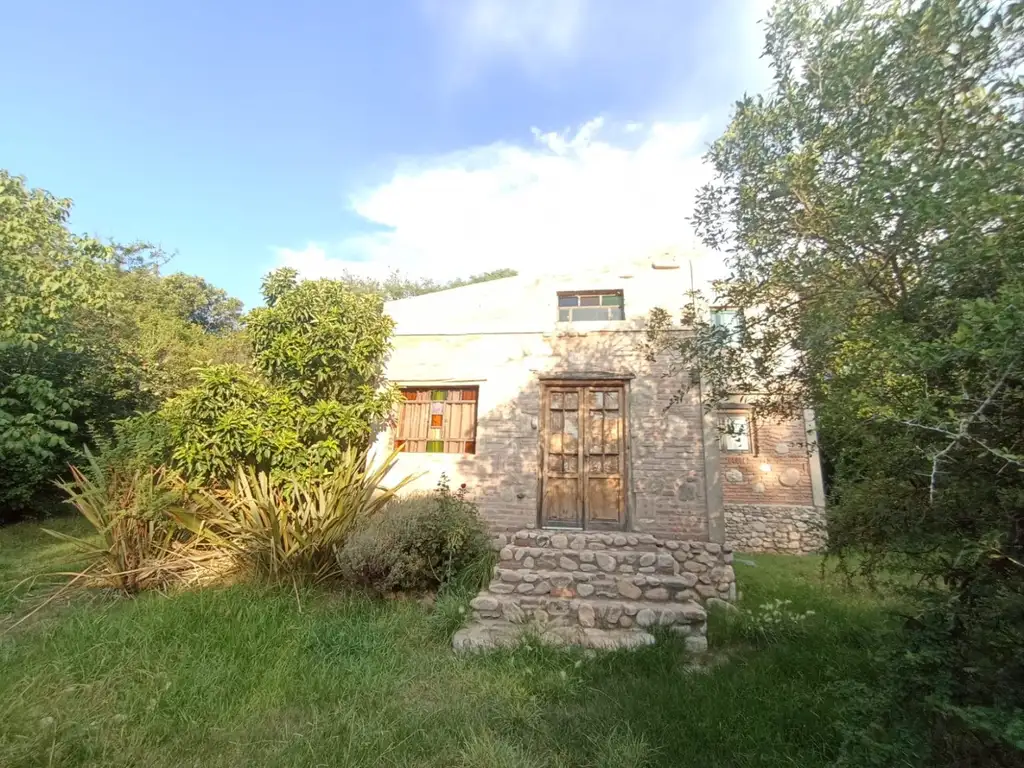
x=553 y=611
x=487 y=635
x=609 y=561
x=656 y=588
x=596 y=541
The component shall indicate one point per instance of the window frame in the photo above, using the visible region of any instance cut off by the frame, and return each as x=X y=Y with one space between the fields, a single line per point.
x=735 y=332
x=567 y=312
x=464 y=446
x=724 y=419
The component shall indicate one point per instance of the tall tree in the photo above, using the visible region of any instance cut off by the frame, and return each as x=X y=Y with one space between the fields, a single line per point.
x=90 y=333
x=872 y=204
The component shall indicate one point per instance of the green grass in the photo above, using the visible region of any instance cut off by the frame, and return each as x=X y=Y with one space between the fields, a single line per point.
x=242 y=676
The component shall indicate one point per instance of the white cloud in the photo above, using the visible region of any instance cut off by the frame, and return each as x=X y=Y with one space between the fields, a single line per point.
x=597 y=194
x=531 y=32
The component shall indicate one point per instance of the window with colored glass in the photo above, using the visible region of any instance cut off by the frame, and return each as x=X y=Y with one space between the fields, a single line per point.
x=585 y=306
x=437 y=420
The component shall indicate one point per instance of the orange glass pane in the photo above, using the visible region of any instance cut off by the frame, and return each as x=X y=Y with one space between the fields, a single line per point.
x=410 y=394
x=437 y=420
x=469 y=394
x=400 y=445
x=470 y=446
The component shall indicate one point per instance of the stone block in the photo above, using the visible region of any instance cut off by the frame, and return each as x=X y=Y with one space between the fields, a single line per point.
x=629 y=590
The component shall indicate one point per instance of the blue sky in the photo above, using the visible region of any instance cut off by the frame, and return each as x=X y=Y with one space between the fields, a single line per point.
x=437 y=137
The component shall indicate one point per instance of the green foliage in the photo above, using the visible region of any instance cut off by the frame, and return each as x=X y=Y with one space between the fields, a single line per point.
x=399 y=286
x=319 y=341
x=55 y=362
x=317 y=390
x=277 y=531
x=198 y=303
x=418 y=543
x=775 y=622
x=130 y=515
x=89 y=334
x=233 y=418
x=871 y=203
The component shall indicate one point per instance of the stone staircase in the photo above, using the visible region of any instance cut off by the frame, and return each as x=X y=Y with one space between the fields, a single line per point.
x=598 y=590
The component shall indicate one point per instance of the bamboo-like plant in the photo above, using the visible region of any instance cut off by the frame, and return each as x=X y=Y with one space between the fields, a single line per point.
x=283 y=530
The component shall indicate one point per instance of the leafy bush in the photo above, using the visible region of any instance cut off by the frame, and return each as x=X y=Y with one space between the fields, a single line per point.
x=315 y=390
x=130 y=512
x=279 y=529
x=419 y=543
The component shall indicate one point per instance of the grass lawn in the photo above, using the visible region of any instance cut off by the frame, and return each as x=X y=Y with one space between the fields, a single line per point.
x=247 y=676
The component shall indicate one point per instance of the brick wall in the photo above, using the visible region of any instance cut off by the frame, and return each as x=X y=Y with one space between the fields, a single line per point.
x=775 y=471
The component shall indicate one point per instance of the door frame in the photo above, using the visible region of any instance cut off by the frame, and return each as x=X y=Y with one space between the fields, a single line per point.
x=548 y=383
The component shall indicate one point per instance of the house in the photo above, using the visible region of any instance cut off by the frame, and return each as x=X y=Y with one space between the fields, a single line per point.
x=535 y=393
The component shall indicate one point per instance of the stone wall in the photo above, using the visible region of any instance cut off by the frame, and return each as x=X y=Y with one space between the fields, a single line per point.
x=606 y=565
x=775 y=528
x=665 y=492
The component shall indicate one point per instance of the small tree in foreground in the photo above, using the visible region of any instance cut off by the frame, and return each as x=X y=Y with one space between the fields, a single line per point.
x=873 y=207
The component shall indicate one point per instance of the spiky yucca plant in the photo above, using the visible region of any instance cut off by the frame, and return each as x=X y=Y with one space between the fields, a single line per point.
x=283 y=530
x=129 y=512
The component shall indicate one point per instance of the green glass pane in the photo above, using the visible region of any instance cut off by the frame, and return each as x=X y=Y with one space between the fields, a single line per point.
x=611 y=301
x=435 y=446
x=563 y=315
x=590 y=313
x=439 y=394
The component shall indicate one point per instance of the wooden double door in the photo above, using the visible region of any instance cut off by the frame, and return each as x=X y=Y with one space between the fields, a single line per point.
x=583 y=450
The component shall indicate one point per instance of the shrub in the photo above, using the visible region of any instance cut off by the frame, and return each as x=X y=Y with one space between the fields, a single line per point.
x=275 y=529
x=421 y=542
x=130 y=513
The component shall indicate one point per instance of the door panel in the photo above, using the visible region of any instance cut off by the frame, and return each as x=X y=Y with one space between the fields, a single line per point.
x=562 y=503
x=583 y=457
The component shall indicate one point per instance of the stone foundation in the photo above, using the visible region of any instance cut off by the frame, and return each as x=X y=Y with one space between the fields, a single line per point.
x=598 y=590
x=796 y=530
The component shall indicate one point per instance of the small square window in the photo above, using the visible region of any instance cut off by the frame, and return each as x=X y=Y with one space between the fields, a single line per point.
x=735 y=433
